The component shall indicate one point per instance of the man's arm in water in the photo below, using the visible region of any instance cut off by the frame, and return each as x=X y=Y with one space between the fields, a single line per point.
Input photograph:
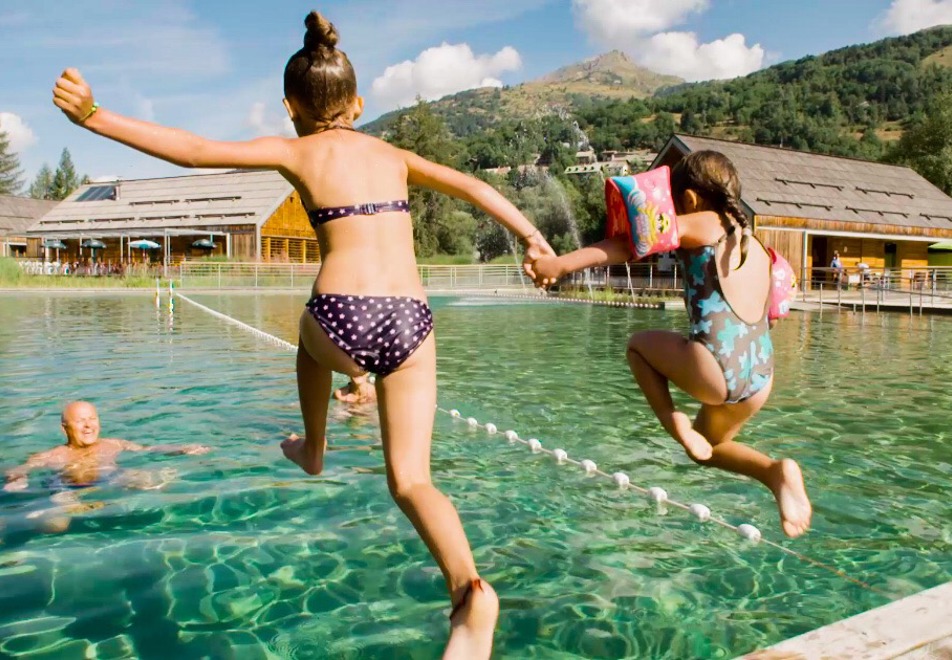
x=16 y=478
x=190 y=450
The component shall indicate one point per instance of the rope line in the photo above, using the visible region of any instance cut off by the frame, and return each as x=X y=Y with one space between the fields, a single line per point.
x=655 y=493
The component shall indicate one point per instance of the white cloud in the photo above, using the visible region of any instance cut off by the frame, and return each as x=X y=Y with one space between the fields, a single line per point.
x=680 y=54
x=442 y=70
x=614 y=23
x=638 y=27
x=266 y=123
x=20 y=135
x=905 y=16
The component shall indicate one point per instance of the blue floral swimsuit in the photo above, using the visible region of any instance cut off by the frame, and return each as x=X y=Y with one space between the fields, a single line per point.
x=743 y=350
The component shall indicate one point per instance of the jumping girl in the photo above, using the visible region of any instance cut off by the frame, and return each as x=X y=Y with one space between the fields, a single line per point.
x=368 y=311
x=726 y=362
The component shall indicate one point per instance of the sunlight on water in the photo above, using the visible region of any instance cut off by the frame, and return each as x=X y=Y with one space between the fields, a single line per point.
x=242 y=556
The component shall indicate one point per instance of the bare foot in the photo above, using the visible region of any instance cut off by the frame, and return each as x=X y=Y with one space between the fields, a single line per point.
x=792 y=500
x=695 y=444
x=297 y=449
x=472 y=626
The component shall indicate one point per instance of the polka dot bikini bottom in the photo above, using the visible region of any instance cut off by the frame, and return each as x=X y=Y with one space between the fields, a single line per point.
x=378 y=333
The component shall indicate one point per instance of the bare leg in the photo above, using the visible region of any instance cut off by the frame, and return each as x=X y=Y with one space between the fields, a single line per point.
x=407 y=401
x=317 y=357
x=720 y=425
x=657 y=356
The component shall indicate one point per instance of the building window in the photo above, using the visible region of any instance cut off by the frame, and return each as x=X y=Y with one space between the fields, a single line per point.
x=97 y=193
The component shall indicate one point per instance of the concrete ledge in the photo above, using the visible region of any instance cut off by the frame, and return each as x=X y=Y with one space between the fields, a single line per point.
x=918 y=627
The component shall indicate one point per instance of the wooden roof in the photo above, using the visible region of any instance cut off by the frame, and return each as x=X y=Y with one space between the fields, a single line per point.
x=18 y=213
x=182 y=202
x=787 y=183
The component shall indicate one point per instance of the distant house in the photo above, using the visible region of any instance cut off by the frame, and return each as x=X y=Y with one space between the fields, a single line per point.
x=807 y=205
x=246 y=214
x=611 y=163
x=16 y=216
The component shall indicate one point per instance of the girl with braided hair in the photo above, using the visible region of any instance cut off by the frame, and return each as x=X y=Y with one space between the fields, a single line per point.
x=368 y=309
x=726 y=361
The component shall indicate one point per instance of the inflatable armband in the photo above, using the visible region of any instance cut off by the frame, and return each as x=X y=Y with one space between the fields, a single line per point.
x=782 y=286
x=641 y=208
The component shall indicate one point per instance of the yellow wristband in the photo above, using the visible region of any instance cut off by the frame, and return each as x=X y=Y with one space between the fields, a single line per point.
x=89 y=114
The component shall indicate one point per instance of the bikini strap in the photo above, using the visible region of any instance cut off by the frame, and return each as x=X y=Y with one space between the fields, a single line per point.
x=321 y=215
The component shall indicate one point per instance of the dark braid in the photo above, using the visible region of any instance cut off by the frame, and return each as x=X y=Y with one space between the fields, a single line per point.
x=733 y=209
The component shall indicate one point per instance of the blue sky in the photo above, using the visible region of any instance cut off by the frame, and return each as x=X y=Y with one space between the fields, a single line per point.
x=215 y=68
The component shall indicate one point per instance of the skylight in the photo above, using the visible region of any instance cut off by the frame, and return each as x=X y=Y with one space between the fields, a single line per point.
x=97 y=193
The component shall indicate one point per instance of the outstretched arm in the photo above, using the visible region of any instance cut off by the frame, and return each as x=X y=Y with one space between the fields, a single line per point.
x=74 y=97
x=165 y=449
x=16 y=478
x=422 y=172
x=550 y=269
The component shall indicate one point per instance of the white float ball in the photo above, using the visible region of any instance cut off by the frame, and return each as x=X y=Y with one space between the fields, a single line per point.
x=490 y=428
x=560 y=455
x=657 y=494
x=472 y=422
x=749 y=532
x=535 y=445
x=621 y=479
x=512 y=436
x=589 y=466
x=700 y=512
x=454 y=413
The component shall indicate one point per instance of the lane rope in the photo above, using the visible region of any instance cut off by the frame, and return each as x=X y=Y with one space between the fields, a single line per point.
x=656 y=494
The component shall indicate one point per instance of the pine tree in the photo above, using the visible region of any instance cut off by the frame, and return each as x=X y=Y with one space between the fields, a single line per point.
x=65 y=180
x=42 y=186
x=10 y=172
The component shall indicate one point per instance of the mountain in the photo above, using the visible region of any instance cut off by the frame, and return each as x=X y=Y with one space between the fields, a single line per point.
x=609 y=76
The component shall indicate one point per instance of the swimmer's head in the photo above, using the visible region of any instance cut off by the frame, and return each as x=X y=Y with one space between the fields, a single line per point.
x=708 y=181
x=80 y=424
x=320 y=86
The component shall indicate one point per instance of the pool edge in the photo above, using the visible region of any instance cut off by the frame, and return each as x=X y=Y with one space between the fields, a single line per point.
x=918 y=626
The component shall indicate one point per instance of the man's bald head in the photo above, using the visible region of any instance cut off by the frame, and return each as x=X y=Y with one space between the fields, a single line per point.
x=80 y=423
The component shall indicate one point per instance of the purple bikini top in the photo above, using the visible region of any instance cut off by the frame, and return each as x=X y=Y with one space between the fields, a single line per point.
x=326 y=214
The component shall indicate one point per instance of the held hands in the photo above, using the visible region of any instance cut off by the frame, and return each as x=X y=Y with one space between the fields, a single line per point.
x=542 y=265
x=72 y=95
x=537 y=248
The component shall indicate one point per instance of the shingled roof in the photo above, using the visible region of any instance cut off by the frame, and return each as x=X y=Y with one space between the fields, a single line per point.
x=18 y=213
x=783 y=182
x=182 y=202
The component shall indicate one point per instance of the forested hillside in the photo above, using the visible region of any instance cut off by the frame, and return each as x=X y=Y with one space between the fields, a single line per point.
x=890 y=100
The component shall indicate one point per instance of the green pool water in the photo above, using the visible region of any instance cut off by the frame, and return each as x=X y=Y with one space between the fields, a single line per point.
x=242 y=556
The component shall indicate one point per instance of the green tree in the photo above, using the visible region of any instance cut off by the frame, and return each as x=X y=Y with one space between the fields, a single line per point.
x=42 y=186
x=436 y=229
x=10 y=172
x=926 y=144
x=65 y=180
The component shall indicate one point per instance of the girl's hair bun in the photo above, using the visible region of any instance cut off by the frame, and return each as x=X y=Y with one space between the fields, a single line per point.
x=321 y=33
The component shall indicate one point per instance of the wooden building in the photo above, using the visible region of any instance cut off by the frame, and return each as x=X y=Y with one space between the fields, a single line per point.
x=17 y=214
x=248 y=215
x=807 y=206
